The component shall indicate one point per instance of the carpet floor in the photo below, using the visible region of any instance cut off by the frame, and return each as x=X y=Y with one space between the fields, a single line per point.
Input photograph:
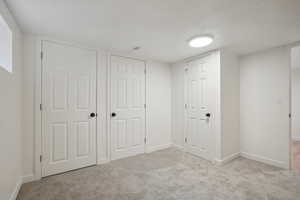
x=168 y=175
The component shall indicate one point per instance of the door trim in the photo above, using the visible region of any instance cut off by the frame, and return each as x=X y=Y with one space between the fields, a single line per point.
x=38 y=134
x=185 y=69
x=105 y=114
x=213 y=125
x=185 y=66
x=109 y=149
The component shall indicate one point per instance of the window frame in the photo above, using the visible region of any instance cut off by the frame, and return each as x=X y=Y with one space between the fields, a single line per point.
x=9 y=33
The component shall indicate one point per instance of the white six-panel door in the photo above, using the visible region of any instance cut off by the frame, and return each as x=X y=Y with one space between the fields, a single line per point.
x=68 y=99
x=127 y=107
x=199 y=137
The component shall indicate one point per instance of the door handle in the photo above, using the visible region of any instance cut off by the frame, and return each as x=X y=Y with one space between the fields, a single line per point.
x=207 y=115
x=113 y=114
x=92 y=115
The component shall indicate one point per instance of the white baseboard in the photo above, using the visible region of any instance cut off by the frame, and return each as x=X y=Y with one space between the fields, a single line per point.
x=150 y=149
x=16 y=190
x=102 y=161
x=227 y=159
x=178 y=146
x=265 y=160
x=296 y=139
x=28 y=178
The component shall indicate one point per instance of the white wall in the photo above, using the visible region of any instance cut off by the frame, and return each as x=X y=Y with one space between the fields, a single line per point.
x=264 y=106
x=296 y=104
x=158 y=109
x=295 y=57
x=102 y=137
x=230 y=101
x=29 y=50
x=11 y=116
x=158 y=100
x=178 y=104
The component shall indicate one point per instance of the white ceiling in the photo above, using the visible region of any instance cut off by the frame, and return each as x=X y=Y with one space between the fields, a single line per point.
x=161 y=27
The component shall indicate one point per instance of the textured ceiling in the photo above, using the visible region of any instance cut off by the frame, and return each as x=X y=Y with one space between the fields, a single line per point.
x=161 y=27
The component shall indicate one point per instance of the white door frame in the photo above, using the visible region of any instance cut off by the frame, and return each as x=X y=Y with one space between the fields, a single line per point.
x=38 y=97
x=38 y=134
x=290 y=157
x=216 y=125
x=185 y=69
x=108 y=122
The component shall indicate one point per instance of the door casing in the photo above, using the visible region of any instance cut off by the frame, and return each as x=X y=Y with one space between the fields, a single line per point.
x=109 y=100
x=71 y=113
x=215 y=110
x=37 y=174
x=38 y=134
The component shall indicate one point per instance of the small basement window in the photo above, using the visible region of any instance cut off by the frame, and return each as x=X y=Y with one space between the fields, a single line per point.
x=5 y=46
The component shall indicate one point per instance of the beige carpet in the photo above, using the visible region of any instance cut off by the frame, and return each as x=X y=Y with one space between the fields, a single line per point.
x=167 y=175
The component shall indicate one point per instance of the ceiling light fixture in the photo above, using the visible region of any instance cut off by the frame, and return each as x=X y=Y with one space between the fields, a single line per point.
x=201 y=41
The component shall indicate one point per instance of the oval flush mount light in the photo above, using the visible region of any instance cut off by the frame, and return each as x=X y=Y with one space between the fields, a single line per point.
x=201 y=41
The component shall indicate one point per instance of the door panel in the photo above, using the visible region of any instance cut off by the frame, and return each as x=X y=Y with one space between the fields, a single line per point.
x=59 y=87
x=199 y=136
x=121 y=134
x=68 y=97
x=83 y=90
x=82 y=139
x=59 y=142
x=127 y=101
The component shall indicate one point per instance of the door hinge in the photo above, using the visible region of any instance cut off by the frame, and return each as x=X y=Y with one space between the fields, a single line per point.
x=185 y=140
x=185 y=106
x=41 y=158
x=145 y=140
x=41 y=107
x=145 y=106
x=290 y=115
x=145 y=71
x=42 y=55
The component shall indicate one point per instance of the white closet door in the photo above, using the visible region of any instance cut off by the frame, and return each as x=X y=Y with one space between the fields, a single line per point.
x=127 y=107
x=199 y=137
x=69 y=98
